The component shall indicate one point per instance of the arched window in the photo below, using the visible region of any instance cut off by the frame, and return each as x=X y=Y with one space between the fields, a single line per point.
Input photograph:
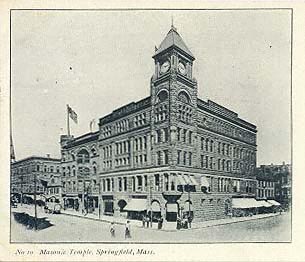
x=83 y=156
x=93 y=151
x=162 y=96
x=184 y=97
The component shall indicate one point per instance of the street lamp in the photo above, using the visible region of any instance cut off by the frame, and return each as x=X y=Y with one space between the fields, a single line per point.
x=150 y=197
x=35 y=204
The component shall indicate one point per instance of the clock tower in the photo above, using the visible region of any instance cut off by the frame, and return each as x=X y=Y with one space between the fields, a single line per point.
x=174 y=96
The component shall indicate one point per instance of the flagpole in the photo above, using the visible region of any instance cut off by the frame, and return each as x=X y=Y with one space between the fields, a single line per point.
x=68 y=122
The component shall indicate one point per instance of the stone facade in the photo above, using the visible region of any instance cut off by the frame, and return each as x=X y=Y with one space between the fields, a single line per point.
x=24 y=172
x=280 y=175
x=182 y=155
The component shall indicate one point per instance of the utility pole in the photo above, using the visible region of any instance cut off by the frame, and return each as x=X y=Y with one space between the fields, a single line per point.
x=35 y=204
x=99 y=200
x=150 y=198
x=68 y=121
x=21 y=189
x=189 y=198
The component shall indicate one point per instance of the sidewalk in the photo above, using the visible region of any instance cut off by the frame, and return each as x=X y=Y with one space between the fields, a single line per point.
x=171 y=226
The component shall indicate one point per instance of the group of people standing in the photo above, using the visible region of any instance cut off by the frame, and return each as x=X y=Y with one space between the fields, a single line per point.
x=185 y=222
x=146 y=220
x=127 y=230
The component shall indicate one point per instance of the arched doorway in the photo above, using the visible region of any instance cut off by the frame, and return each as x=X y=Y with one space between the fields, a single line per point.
x=156 y=210
x=172 y=211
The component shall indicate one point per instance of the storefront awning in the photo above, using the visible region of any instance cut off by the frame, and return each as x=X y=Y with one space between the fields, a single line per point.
x=245 y=203
x=274 y=203
x=181 y=180
x=135 y=204
x=264 y=203
x=172 y=208
x=193 y=181
x=204 y=181
x=186 y=180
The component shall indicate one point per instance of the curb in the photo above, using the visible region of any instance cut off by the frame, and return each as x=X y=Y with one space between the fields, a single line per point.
x=173 y=230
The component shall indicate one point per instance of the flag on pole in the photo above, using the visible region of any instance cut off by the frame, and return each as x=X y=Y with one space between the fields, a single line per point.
x=72 y=114
x=92 y=124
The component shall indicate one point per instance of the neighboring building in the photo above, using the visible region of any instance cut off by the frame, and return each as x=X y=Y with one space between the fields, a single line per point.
x=281 y=176
x=265 y=187
x=170 y=153
x=80 y=158
x=27 y=172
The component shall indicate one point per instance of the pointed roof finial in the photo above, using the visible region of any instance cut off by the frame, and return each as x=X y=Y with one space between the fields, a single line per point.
x=172 y=26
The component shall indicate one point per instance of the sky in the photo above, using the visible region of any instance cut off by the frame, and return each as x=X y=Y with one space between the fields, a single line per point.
x=97 y=61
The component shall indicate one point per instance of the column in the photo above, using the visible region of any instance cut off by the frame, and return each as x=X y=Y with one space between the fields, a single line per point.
x=142 y=177
x=131 y=153
x=136 y=183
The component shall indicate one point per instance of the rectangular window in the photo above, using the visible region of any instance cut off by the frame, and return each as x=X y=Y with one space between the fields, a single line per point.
x=184 y=135
x=120 y=184
x=184 y=158
x=157 y=182
x=158 y=158
x=178 y=157
x=190 y=137
x=165 y=157
x=206 y=162
x=190 y=158
x=202 y=161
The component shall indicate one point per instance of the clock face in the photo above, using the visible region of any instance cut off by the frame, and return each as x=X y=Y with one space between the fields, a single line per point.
x=181 y=68
x=165 y=67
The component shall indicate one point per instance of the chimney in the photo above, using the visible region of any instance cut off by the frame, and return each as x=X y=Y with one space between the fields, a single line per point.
x=48 y=155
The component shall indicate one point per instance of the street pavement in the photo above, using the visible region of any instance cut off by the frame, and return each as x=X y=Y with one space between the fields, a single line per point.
x=67 y=228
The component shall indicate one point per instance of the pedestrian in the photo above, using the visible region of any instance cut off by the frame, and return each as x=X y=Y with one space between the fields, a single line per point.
x=127 y=230
x=161 y=222
x=112 y=230
x=143 y=220
x=178 y=223
x=147 y=221
x=189 y=220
